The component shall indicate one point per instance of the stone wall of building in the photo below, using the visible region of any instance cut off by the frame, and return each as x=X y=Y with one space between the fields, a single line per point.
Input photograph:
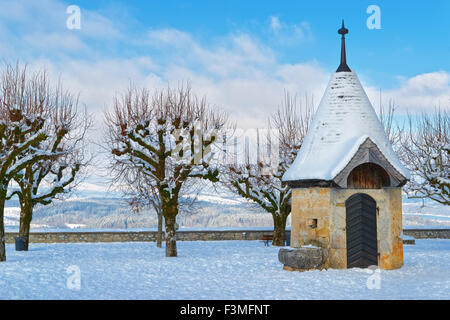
x=310 y=217
x=389 y=226
x=318 y=218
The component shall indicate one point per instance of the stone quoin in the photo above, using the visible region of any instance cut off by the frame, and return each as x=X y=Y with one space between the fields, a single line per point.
x=347 y=182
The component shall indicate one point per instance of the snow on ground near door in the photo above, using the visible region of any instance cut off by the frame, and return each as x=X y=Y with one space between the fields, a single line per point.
x=210 y=270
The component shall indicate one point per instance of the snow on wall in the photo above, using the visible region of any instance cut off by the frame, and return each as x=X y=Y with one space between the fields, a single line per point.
x=344 y=119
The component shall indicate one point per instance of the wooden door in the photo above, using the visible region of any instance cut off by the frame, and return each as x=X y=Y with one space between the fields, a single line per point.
x=368 y=176
x=361 y=226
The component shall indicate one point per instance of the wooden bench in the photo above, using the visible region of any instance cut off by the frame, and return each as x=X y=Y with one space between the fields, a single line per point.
x=266 y=238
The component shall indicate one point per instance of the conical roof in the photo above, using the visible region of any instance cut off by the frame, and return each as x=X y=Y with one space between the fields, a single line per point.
x=344 y=120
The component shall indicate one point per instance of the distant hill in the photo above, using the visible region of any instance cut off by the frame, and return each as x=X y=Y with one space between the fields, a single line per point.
x=210 y=210
x=207 y=211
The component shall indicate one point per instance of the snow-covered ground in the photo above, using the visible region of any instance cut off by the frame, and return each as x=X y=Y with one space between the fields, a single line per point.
x=210 y=270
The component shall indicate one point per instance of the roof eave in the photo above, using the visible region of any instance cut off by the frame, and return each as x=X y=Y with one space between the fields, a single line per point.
x=312 y=183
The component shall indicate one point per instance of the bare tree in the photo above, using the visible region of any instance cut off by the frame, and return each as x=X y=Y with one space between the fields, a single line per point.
x=143 y=193
x=166 y=137
x=265 y=187
x=24 y=101
x=393 y=129
x=425 y=151
x=65 y=126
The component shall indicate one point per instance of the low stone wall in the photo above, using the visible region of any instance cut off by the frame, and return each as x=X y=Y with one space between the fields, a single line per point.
x=428 y=233
x=128 y=236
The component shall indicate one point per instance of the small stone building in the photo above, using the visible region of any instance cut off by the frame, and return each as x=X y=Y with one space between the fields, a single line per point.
x=347 y=181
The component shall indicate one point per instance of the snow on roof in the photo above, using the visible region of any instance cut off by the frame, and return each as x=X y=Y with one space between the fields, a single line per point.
x=344 y=119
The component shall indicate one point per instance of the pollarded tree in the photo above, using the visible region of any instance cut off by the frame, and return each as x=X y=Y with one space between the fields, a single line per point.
x=30 y=182
x=143 y=193
x=22 y=130
x=18 y=148
x=167 y=137
x=261 y=183
x=425 y=151
x=42 y=181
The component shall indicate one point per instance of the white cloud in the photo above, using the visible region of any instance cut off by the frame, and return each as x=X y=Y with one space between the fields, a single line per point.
x=289 y=34
x=302 y=30
x=422 y=92
x=236 y=71
x=167 y=36
x=275 y=24
x=29 y=28
x=54 y=41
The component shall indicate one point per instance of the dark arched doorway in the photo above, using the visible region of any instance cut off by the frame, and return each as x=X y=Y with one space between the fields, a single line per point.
x=368 y=176
x=361 y=230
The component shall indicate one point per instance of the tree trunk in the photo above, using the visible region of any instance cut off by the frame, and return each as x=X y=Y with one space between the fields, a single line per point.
x=26 y=214
x=171 y=242
x=2 y=226
x=279 y=230
x=159 y=234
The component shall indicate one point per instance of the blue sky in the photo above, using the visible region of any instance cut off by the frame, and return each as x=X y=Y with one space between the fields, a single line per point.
x=243 y=55
x=414 y=38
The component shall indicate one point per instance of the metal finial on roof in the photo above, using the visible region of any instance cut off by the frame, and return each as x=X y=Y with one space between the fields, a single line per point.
x=343 y=67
